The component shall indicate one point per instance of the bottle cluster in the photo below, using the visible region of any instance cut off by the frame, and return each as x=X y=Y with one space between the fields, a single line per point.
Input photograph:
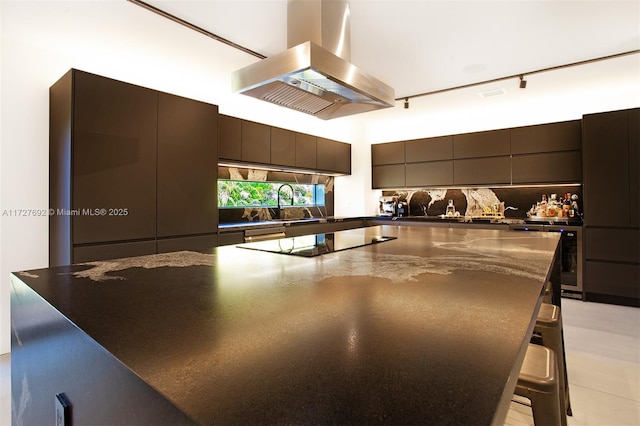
x=552 y=206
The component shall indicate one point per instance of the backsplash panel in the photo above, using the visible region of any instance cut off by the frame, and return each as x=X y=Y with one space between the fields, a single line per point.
x=258 y=214
x=469 y=201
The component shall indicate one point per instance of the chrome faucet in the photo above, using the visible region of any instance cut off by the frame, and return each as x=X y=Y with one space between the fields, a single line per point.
x=279 y=205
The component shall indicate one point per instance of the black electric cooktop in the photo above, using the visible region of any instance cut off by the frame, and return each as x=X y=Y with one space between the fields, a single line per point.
x=318 y=244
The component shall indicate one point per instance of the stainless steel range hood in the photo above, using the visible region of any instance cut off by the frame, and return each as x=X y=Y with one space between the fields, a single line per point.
x=314 y=75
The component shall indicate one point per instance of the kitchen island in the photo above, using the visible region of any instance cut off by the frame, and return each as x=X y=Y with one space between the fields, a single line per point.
x=427 y=328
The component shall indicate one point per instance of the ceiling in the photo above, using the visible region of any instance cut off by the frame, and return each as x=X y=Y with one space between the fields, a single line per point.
x=423 y=46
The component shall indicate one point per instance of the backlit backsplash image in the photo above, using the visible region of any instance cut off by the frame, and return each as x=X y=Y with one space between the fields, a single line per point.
x=512 y=202
x=316 y=191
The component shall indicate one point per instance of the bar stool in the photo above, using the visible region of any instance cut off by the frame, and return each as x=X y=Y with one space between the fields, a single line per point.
x=538 y=382
x=548 y=332
x=547 y=295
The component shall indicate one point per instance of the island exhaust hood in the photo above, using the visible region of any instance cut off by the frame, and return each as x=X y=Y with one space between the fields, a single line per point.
x=314 y=75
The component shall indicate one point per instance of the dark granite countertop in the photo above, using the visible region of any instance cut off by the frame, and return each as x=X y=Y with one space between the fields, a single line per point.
x=428 y=328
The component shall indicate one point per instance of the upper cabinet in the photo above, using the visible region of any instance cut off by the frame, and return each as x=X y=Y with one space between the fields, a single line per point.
x=250 y=143
x=563 y=136
x=333 y=156
x=548 y=153
x=306 y=151
x=387 y=153
x=429 y=149
x=482 y=144
x=229 y=138
x=283 y=147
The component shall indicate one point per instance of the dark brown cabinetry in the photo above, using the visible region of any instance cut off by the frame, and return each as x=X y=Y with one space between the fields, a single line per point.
x=429 y=149
x=547 y=153
x=387 y=153
x=127 y=165
x=429 y=162
x=562 y=136
x=547 y=167
x=388 y=169
x=249 y=143
x=256 y=142
x=187 y=167
x=431 y=173
x=390 y=176
x=333 y=156
x=283 y=147
x=610 y=157
x=482 y=144
x=229 y=138
x=482 y=171
x=113 y=160
x=306 y=151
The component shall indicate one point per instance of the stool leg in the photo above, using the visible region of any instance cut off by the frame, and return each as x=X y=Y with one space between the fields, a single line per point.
x=546 y=409
x=553 y=339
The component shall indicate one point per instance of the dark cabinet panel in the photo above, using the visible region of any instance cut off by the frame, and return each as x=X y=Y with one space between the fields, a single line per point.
x=387 y=153
x=283 y=147
x=228 y=238
x=199 y=242
x=429 y=173
x=563 y=136
x=305 y=151
x=634 y=172
x=113 y=251
x=60 y=147
x=256 y=142
x=229 y=138
x=187 y=166
x=614 y=279
x=333 y=156
x=605 y=166
x=114 y=159
x=613 y=244
x=343 y=158
x=388 y=176
x=482 y=171
x=560 y=167
x=482 y=144
x=429 y=149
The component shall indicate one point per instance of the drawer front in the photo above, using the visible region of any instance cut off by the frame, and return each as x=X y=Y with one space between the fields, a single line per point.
x=618 y=245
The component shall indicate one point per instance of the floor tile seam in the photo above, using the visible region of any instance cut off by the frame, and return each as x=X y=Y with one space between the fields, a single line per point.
x=603 y=392
x=572 y=353
x=569 y=327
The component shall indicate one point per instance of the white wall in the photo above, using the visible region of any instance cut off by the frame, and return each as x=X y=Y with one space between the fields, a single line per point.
x=42 y=40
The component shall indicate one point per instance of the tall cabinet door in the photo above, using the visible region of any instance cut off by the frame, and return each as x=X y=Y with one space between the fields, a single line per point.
x=187 y=166
x=114 y=160
x=606 y=170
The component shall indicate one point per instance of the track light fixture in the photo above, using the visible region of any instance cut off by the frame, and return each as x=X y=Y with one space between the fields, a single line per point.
x=523 y=82
x=406 y=103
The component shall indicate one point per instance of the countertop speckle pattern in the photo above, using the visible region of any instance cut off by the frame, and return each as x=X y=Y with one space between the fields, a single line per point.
x=423 y=329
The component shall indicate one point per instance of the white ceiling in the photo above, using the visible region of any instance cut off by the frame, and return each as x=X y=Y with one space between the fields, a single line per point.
x=426 y=45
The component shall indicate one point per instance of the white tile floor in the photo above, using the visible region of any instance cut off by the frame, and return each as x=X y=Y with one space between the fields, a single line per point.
x=603 y=365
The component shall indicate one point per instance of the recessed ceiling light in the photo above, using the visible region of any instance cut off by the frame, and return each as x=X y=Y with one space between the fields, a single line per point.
x=492 y=93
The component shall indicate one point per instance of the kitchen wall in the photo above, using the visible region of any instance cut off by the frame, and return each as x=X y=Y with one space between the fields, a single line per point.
x=40 y=41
